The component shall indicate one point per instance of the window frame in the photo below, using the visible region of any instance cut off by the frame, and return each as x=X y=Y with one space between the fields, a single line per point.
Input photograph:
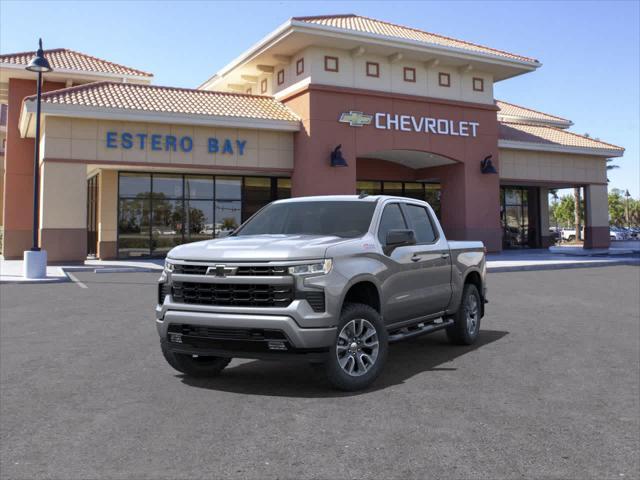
x=300 y=66
x=404 y=206
x=280 y=76
x=443 y=75
x=480 y=82
x=263 y=85
x=377 y=67
x=404 y=74
x=328 y=58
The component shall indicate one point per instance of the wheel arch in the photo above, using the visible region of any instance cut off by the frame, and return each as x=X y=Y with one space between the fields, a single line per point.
x=363 y=289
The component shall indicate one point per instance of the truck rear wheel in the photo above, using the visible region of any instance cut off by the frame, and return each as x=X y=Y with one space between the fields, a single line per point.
x=194 y=366
x=360 y=349
x=466 y=321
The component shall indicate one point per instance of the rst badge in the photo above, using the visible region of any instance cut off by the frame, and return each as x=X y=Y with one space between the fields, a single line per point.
x=356 y=119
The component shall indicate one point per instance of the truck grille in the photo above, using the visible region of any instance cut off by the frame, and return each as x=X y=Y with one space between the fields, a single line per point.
x=183 y=269
x=316 y=300
x=249 y=295
x=224 y=333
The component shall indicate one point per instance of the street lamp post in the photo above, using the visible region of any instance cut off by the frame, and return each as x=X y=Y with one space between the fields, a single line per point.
x=35 y=260
x=626 y=208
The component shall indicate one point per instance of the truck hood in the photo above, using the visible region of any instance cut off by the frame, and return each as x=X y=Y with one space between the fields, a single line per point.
x=259 y=248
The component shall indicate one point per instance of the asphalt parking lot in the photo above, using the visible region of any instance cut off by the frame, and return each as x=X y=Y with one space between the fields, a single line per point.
x=551 y=390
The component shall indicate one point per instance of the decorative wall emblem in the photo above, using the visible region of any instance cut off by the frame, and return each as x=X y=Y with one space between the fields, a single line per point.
x=356 y=119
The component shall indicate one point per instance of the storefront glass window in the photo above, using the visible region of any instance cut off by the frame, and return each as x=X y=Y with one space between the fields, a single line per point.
x=371 y=188
x=414 y=190
x=228 y=216
x=134 y=226
x=159 y=211
x=228 y=188
x=198 y=188
x=283 y=188
x=392 y=188
x=256 y=194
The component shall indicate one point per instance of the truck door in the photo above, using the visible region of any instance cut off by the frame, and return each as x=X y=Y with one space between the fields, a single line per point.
x=404 y=287
x=431 y=254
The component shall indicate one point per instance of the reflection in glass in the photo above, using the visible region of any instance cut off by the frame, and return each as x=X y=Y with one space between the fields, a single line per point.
x=167 y=224
x=199 y=224
x=284 y=188
x=170 y=186
x=393 y=188
x=198 y=188
x=228 y=188
x=414 y=190
x=371 y=188
x=256 y=194
x=133 y=227
x=228 y=217
x=432 y=195
x=134 y=184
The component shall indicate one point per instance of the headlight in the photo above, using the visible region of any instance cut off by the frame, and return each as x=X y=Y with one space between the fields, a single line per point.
x=168 y=266
x=321 y=267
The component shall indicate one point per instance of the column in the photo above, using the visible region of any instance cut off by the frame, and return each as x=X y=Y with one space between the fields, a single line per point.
x=107 y=214
x=63 y=211
x=596 y=216
x=546 y=240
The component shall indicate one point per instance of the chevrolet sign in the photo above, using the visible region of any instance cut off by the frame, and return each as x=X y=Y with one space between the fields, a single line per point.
x=355 y=119
x=410 y=123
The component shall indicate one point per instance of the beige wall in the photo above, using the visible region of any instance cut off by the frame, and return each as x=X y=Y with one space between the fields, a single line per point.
x=80 y=139
x=552 y=167
x=597 y=206
x=352 y=73
x=63 y=195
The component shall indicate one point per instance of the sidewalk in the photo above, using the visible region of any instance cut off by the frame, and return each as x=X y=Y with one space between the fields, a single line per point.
x=11 y=270
x=544 y=259
x=506 y=261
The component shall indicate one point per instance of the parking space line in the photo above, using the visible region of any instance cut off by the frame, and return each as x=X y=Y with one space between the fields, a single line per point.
x=75 y=280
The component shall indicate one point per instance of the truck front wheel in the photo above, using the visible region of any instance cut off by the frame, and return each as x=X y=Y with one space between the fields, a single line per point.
x=360 y=349
x=194 y=366
x=466 y=321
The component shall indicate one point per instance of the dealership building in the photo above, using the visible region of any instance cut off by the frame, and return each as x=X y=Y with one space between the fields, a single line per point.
x=323 y=105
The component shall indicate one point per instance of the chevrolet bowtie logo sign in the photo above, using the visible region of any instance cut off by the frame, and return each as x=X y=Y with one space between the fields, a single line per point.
x=356 y=119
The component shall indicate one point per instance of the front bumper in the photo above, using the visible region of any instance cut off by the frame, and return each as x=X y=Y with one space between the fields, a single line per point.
x=293 y=339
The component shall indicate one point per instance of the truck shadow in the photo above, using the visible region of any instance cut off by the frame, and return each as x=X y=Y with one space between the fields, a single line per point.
x=430 y=353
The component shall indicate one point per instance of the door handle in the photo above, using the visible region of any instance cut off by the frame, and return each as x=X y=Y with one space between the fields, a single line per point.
x=444 y=255
x=415 y=257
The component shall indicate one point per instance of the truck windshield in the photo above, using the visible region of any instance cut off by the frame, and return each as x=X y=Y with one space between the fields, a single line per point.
x=339 y=218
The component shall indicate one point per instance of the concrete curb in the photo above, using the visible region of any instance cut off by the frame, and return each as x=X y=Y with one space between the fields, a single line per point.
x=561 y=266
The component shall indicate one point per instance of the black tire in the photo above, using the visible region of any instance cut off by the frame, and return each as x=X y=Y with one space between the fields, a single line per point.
x=463 y=331
x=194 y=366
x=571 y=238
x=366 y=364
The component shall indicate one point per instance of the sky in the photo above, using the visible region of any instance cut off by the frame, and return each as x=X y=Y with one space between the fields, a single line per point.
x=590 y=51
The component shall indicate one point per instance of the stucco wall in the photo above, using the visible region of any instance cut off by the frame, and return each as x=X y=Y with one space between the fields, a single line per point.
x=352 y=73
x=551 y=167
x=85 y=140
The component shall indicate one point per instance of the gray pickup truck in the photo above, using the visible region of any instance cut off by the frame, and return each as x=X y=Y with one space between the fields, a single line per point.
x=331 y=280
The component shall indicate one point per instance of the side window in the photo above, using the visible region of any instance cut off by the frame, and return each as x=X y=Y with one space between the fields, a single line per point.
x=391 y=219
x=418 y=218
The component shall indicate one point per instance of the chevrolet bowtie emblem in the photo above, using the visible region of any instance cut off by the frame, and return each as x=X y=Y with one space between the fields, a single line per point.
x=355 y=119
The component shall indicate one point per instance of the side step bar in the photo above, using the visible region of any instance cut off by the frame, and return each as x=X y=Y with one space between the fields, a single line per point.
x=411 y=332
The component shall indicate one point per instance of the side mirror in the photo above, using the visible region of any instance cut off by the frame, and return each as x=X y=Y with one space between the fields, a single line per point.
x=399 y=238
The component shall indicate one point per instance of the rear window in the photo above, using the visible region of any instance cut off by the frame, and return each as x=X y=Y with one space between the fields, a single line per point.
x=337 y=218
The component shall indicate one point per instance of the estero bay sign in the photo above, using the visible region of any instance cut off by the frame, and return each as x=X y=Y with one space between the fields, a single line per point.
x=411 y=123
x=171 y=143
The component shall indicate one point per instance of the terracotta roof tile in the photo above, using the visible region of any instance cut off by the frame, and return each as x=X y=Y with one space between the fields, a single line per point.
x=517 y=132
x=513 y=110
x=152 y=98
x=370 y=25
x=65 y=59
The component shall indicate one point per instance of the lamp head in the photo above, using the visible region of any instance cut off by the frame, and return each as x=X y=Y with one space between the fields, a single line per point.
x=39 y=62
x=337 y=160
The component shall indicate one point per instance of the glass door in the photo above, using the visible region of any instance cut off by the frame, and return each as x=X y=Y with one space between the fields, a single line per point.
x=92 y=216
